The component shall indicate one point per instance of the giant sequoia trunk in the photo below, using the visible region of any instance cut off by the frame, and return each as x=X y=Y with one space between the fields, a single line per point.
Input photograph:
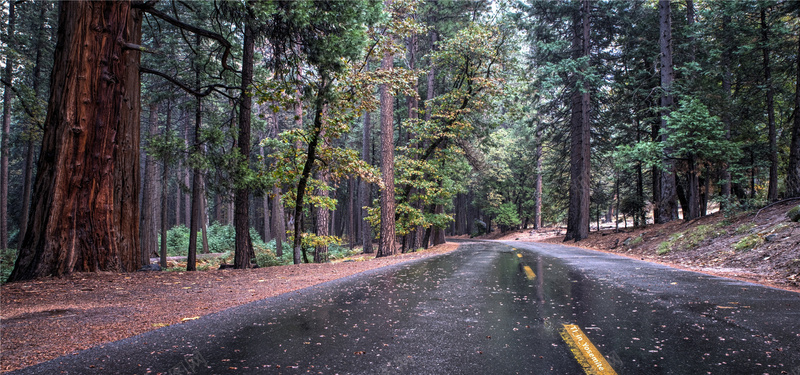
x=85 y=205
x=579 y=187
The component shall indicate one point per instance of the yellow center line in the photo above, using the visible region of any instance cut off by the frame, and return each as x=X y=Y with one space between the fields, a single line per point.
x=585 y=352
x=519 y=255
x=529 y=272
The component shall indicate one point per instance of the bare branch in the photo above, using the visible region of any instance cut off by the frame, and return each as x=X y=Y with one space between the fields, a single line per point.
x=208 y=89
x=185 y=26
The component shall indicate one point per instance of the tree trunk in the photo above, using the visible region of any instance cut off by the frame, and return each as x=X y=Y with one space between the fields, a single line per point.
x=178 y=199
x=266 y=233
x=27 y=176
x=243 y=253
x=86 y=214
x=667 y=201
x=772 y=190
x=351 y=213
x=438 y=233
x=197 y=188
x=278 y=223
x=386 y=245
x=10 y=43
x=204 y=214
x=693 y=177
x=151 y=200
x=726 y=108
x=319 y=104
x=693 y=203
x=165 y=195
x=578 y=214
x=323 y=221
x=537 y=207
x=186 y=171
x=793 y=170
x=366 y=195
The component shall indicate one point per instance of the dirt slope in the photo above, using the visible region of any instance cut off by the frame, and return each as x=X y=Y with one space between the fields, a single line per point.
x=759 y=246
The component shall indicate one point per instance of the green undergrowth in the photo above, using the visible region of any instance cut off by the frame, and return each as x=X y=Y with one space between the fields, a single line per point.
x=265 y=256
x=748 y=242
x=221 y=239
x=691 y=238
x=754 y=240
x=7 y=259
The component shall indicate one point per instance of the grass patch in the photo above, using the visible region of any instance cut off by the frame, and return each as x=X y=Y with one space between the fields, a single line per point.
x=691 y=238
x=748 y=243
x=664 y=248
x=745 y=228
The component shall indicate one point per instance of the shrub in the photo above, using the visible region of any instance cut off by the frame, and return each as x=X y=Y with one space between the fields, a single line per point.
x=507 y=217
x=221 y=239
x=265 y=254
x=7 y=259
x=479 y=228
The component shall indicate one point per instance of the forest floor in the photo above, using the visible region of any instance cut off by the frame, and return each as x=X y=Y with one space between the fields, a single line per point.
x=44 y=319
x=758 y=246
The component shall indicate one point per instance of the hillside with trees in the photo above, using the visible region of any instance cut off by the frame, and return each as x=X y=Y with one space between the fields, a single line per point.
x=270 y=132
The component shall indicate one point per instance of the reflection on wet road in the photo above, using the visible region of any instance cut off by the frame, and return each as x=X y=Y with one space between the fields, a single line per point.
x=512 y=308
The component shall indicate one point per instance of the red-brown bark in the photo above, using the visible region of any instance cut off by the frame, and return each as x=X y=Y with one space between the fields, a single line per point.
x=580 y=133
x=85 y=207
x=386 y=244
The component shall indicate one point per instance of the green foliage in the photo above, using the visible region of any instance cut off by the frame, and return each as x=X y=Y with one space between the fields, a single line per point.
x=7 y=259
x=221 y=239
x=507 y=216
x=265 y=255
x=731 y=206
x=694 y=132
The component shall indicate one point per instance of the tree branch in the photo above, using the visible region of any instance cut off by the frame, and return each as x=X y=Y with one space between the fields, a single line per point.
x=148 y=7
x=184 y=87
x=25 y=106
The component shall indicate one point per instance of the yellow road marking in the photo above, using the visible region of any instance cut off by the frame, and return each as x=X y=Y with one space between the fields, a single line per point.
x=519 y=255
x=585 y=352
x=529 y=272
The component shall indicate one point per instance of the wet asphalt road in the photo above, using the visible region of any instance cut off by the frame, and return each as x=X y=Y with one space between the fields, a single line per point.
x=487 y=308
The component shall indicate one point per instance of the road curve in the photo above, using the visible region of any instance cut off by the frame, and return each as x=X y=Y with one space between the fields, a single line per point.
x=489 y=307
